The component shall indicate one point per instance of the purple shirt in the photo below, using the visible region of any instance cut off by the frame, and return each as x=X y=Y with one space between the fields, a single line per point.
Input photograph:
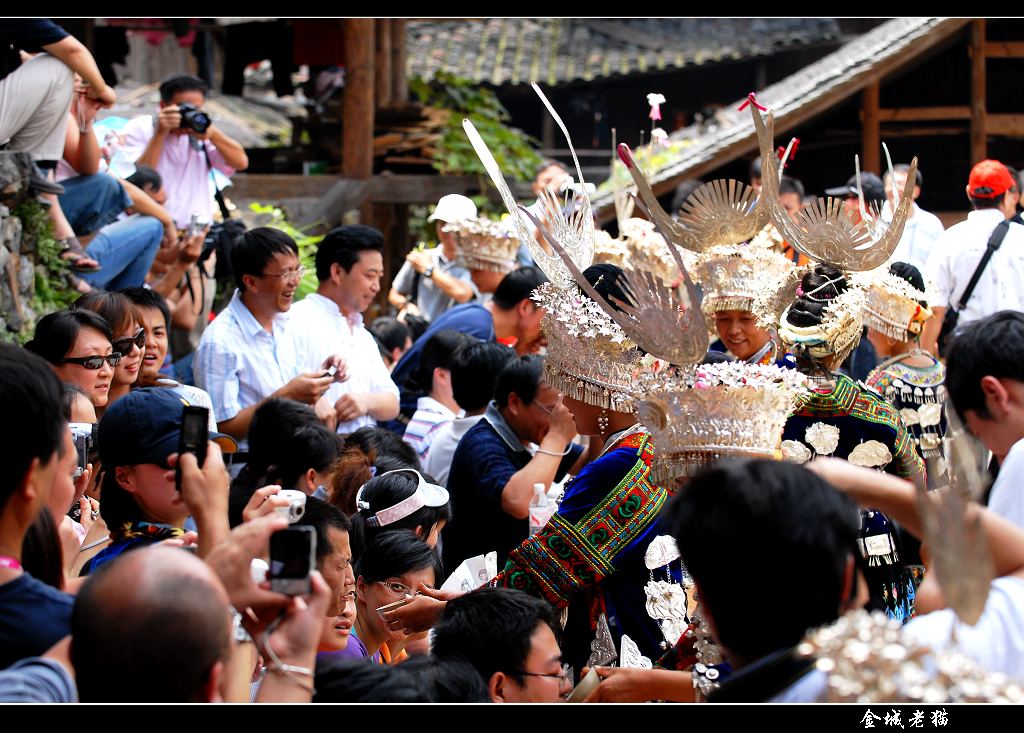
x=184 y=170
x=355 y=649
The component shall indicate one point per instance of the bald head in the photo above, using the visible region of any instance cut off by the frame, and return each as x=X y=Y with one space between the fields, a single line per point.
x=149 y=627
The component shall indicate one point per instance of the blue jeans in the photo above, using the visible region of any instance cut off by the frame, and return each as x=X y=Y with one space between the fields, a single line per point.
x=125 y=251
x=92 y=202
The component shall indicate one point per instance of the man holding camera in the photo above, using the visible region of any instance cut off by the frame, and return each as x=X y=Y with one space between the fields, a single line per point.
x=182 y=144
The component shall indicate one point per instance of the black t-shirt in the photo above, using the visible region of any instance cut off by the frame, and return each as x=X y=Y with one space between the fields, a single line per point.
x=481 y=466
x=26 y=34
x=33 y=617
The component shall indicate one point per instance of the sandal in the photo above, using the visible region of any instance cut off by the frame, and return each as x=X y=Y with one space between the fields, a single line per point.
x=79 y=284
x=77 y=258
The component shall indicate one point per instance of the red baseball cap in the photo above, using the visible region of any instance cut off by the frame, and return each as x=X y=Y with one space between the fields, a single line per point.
x=989 y=179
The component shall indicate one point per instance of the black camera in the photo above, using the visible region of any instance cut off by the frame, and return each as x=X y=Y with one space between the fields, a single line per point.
x=193 y=118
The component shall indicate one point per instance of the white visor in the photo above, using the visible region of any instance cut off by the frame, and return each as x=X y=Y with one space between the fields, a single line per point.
x=425 y=495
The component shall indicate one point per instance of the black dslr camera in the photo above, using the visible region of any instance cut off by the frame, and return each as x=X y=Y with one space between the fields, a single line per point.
x=193 y=118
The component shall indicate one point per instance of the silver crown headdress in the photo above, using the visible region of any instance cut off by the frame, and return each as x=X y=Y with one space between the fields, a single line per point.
x=484 y=245
x=709 y=411
x=893 y=306
x=589 y=358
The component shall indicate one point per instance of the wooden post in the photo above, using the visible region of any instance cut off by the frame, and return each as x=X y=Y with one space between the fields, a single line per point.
x=399 y=82
x=384 y=219
x=382 y=61
x=979 y=141
x=357 y=106
x=871 y=141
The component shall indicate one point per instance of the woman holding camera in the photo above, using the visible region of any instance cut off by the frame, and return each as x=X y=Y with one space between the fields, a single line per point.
x=139 y=439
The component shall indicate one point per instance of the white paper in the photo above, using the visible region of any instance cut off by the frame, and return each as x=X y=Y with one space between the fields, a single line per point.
x=472 y=573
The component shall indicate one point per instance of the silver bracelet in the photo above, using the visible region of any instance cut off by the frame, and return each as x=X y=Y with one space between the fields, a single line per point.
x=97 y=543
x=553 y=453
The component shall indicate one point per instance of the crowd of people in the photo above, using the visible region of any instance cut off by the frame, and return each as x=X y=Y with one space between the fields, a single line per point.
x=540 y=477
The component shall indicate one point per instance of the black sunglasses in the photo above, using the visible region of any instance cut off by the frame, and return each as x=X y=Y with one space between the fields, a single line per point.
x=95 y=362
x=124 y=346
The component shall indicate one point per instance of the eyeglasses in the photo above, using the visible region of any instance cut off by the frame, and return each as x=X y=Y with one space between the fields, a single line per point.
x=295 y=274
x=564 y=677
x=95 y=362
x=398 y=589
x=544 y=408
x=124 y=346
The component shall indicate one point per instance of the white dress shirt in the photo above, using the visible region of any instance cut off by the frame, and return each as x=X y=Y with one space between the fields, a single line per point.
x=919 y=235
x=956 y=254
x=318 y=329
x=239 y=363
x=438 y=462
x=1007 y=495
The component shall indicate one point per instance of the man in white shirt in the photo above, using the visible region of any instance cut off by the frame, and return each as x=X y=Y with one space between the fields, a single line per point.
x=956 y=255
x=985 y=381
x=244 y=357
x=922 y=227
x=349 y=266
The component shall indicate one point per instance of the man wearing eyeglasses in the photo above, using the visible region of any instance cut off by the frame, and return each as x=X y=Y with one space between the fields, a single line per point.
x=244 y=357
x=493 y=471
x=511 y=639
x=349 y=267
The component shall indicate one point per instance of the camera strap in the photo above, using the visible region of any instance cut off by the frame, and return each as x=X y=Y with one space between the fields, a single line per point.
x=217 y=193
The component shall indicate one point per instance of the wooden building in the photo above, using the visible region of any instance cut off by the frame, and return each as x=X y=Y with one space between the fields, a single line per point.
x=944 y=89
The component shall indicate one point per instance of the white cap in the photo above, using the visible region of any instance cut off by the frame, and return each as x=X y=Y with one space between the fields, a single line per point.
x=453 y=207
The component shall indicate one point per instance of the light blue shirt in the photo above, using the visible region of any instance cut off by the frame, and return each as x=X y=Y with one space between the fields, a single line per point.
x=239 y=363
x=37 y=680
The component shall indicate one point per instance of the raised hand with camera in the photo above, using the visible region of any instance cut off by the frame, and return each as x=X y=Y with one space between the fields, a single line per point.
x=205 y=492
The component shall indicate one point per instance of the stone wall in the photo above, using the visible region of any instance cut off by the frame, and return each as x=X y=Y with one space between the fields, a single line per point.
x=23 y=223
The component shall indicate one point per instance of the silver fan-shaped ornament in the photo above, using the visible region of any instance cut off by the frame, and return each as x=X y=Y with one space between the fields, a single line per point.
x=723 y=211
x=824 y=230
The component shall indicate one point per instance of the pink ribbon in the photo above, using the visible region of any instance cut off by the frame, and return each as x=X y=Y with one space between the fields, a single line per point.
x=752 y=100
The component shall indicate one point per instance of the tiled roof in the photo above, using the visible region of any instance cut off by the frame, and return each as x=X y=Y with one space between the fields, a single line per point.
x=798 y=97
x=561 y=50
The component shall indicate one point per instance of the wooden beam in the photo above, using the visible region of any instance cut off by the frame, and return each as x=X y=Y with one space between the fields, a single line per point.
x=871 y=142
x=399 y=82
x=382 y=61
x=979 y=144
x=1004 y=49
x=1009 y=125
x=357 y=106
x=924 y=114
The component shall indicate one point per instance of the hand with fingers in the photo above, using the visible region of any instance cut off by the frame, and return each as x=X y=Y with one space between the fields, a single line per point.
x=232 y=560
x=421 y=613
x=350 y=406
x=263 y=502
x=307 y=388
x=205 y=492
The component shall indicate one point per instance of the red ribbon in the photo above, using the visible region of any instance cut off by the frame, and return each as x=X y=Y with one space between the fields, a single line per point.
x=752 y=100
x=781 y=152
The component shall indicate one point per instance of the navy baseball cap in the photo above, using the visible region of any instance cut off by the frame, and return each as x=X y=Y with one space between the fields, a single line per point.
x=872 y=185
x=144 y=426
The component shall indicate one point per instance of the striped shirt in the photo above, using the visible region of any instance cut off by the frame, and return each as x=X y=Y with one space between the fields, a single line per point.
x=426 y=424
